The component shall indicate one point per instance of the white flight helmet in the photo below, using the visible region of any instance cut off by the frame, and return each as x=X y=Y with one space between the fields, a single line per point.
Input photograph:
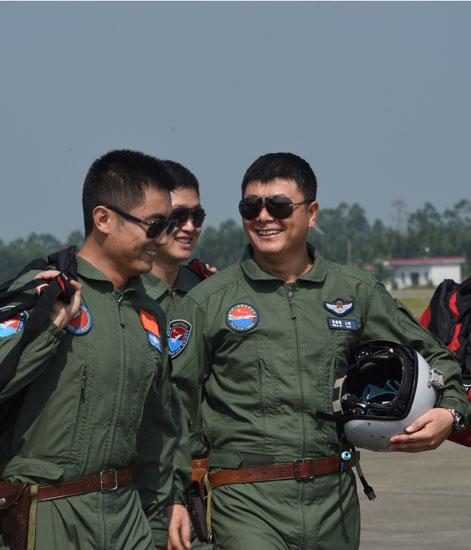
x=385 y=388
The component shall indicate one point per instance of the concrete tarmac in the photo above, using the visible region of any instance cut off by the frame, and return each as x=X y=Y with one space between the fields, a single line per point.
x=423 y=500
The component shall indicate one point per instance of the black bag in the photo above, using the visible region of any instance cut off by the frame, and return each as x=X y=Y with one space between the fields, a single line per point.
x=38 y=308
x=448 y=317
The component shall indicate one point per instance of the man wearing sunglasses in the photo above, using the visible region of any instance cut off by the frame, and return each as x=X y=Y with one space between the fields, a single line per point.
x=95 y=430
x=264 y=340
x=170 y=279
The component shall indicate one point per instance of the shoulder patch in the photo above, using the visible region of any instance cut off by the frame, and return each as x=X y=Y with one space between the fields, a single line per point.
x=149 y=322
x=13 y=325
x=81 y=323
x=339 y=307
x=178 y=335
x=242 y=317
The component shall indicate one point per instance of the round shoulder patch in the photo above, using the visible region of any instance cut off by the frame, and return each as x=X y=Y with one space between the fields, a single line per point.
x=13 y=325
x=81 y=323
x=178 y=335
x=242 y=317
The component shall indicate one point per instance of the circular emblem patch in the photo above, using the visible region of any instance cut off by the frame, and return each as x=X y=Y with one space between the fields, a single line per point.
x=242 y=317
x=13 y=325
x=81 y=323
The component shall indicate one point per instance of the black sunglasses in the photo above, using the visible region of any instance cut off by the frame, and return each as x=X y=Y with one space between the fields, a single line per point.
x=182 y=215
x=278 y=206
x=155 y=228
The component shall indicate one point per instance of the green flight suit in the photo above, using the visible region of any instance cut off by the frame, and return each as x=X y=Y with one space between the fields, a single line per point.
x=96 y=400
x=267 y=354
x=168 y=299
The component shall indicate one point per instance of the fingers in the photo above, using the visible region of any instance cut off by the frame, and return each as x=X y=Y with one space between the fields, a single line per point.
x=424 y=434
x=178 y=528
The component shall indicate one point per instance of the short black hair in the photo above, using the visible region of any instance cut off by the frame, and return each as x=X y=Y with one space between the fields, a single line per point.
x=119 y=178
x=285 y=166
x=182 y=177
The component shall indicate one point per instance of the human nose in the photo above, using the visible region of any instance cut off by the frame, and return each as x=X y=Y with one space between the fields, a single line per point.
x=161 y=239
x=188 y=225
x=264 y=214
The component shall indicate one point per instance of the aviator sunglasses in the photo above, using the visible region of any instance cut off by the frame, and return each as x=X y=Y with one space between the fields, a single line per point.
x=278 y=206
x=155 y=228
x=182 y=215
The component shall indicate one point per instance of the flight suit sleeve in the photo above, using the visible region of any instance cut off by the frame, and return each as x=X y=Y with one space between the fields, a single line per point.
x=388 y=319
x=154 y=469
x=190 y=362
x=36 y=355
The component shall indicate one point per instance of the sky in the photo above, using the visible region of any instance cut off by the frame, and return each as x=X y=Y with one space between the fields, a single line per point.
x=374 y=95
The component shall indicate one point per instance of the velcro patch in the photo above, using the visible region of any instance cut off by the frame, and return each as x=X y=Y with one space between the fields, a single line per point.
x=81 y=323
x=178 y=335
x=339 y=307
x=13 y=325
x=342 y=324
x=242 y=317
x=149 y=322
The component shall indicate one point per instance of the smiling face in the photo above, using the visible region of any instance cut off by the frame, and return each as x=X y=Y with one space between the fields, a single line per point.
x=130 y=251
x=182 y=239
x=275 y=239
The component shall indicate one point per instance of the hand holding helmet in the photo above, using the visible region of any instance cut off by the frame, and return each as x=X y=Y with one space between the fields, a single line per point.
x=387 y=390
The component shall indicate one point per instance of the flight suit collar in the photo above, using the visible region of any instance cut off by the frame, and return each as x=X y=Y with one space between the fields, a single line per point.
x=316 y=274
x=88 y=271
x=156 y=287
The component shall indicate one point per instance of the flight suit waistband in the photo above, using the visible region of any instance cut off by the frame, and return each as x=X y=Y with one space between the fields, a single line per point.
x=302 y=469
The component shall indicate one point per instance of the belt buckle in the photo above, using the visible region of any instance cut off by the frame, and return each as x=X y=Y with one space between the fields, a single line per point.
x=102 y=481
x=297 y=477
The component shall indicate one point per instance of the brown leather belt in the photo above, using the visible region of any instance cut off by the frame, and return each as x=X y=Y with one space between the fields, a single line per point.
x=105 y=481
x=305 y=468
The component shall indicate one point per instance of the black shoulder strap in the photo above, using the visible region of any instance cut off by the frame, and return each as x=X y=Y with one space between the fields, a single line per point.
x=58 y=288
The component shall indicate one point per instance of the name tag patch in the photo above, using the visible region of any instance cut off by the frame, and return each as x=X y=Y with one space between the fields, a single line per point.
x=342 y=324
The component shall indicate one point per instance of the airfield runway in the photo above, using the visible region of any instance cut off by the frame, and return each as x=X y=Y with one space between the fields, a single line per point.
x=423 y=500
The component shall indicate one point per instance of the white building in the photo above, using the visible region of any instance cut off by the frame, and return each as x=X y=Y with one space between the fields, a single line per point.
x=423 y=271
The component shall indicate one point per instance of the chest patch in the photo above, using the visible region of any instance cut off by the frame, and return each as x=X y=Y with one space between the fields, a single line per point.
x=242 y=317
x=81 y=323
x=339 y=307
x=13 y=325
x=342 y=324
x=178 y=335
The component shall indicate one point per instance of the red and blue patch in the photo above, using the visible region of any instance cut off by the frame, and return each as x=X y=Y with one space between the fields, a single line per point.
x=81 y=323
x=242 y=317
x=178 y=335
x=13 y=325
x=149 y=322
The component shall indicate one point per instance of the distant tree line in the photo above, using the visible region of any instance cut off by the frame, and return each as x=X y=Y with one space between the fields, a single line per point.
x=344 y=235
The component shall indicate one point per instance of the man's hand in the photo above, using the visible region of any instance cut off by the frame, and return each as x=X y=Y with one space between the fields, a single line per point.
x=424 y=434
x=62 y=313
x=178 y=527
